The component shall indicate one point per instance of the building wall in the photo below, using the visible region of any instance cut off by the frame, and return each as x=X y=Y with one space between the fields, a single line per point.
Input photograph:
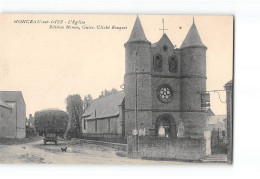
x=193 y=83
x=7 y=123
x=165 y=76
x=104 y=125
x=143 y=116
x=137 y=54
x=21 y=119
x=14 y=127
x=187 y=84
x=174 y=104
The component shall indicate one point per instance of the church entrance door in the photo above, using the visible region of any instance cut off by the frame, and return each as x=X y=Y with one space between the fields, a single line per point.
x=166 y=126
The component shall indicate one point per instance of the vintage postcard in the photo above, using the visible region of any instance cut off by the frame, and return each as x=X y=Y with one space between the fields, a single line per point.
x=116 y=89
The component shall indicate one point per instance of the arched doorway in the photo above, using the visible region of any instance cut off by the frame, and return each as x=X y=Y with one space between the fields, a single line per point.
x=168 y=124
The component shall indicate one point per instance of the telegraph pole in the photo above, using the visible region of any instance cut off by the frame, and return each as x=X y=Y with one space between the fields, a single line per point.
x=136 y=110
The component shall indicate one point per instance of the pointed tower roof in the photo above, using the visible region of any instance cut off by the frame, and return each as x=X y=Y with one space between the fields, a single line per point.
x=192 y=38
x=137 y=33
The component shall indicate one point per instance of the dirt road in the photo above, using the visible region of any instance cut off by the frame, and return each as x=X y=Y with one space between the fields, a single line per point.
x=37 y=152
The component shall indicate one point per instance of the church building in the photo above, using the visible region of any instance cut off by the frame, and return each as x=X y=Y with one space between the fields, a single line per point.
x=163 y=87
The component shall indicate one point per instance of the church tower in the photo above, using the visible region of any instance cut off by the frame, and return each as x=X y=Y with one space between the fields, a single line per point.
x=137 y=59
x=168 y=86
x=193 y=83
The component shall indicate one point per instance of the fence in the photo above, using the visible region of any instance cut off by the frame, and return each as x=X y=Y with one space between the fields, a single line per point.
x=105 y=137
x=218 y=143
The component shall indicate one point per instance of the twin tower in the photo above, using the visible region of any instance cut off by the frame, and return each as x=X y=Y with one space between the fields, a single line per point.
x=170 y=82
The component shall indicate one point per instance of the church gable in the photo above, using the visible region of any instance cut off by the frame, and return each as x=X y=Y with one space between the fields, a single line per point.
x=164 y=59
x=164 y=44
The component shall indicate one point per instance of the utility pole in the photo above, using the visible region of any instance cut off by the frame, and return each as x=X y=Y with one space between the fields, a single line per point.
x=136 y=110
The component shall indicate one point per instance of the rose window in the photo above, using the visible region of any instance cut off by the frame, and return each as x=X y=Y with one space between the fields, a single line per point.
x=164 y=93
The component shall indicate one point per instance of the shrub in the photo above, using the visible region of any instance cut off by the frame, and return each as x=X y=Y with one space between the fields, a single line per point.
x=30 y=131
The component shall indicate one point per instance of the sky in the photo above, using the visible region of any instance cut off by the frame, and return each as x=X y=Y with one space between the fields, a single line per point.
x=49 y=64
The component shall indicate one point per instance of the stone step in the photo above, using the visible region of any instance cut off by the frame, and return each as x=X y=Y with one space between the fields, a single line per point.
x=215 y=158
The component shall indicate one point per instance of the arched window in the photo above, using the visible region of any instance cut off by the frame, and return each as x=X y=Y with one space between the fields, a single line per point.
x=157 y=62
x=173 y=64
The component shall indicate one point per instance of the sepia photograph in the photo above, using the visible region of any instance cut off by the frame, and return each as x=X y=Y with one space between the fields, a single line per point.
x=116 y=89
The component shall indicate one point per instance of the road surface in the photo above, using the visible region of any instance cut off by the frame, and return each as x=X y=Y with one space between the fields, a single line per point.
x=37 y=152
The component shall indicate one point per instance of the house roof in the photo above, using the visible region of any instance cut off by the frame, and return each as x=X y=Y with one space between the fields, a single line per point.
x=137 y=33
x=10 y=96
x=4 y=104
x=103 y=107
x=192 y=38
x=216 y=119
x=210 y=112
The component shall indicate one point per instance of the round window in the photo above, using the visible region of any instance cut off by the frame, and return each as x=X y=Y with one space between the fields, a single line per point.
x=165 y=48
x=164 y=93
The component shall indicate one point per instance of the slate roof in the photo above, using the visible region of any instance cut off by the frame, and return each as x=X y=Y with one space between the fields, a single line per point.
x=10 y=96
x=192 y=38
x=103 y=107
x=137 y=33
x=4 y=104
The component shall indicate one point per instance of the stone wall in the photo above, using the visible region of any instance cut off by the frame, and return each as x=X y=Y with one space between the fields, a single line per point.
x=144 y=117
x=171 y=148
x=137 y=54
x=193 y=84
x=105 y=137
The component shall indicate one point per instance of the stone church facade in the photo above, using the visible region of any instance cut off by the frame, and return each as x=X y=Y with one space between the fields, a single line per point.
x=169 y=83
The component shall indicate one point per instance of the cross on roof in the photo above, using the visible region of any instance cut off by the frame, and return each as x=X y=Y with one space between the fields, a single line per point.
x=163 y=29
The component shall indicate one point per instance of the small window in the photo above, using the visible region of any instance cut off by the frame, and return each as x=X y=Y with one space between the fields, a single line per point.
x=157 y=62
x=173 y=64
